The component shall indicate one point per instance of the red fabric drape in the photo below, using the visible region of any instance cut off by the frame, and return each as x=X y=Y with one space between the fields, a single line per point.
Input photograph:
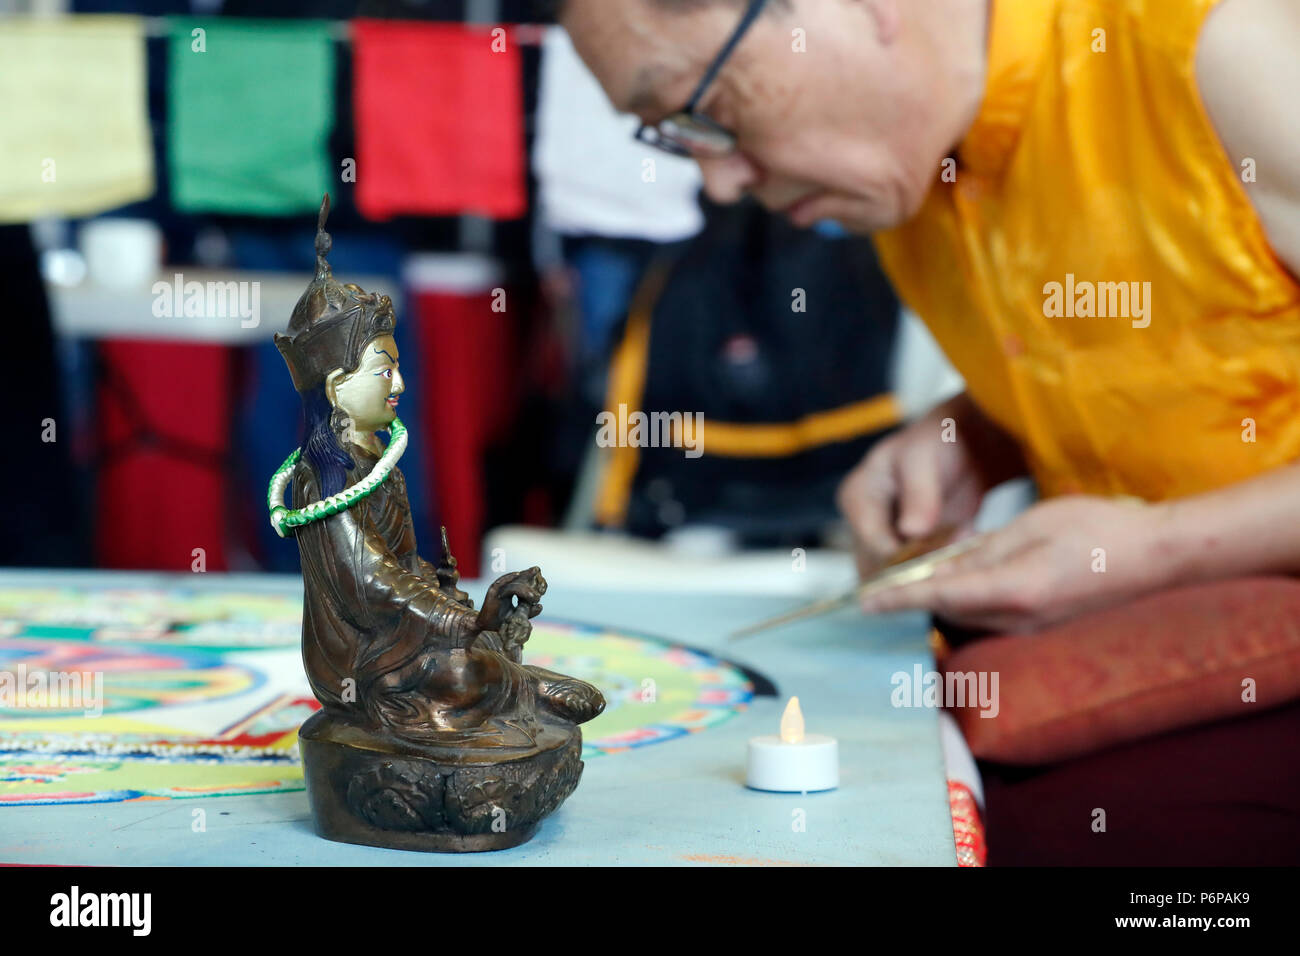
x=467 y=399
x=163 y=428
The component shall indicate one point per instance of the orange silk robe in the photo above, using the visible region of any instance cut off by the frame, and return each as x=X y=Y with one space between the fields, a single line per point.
x=1093 y=161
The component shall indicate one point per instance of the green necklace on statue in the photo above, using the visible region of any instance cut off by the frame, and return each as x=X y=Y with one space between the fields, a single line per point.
x=282 y=517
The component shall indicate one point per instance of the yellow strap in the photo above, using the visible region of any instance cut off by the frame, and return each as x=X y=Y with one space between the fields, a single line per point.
x=729 y=440
x=625 y=387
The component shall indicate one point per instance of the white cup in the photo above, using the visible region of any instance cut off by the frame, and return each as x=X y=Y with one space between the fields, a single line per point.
x=122 y=253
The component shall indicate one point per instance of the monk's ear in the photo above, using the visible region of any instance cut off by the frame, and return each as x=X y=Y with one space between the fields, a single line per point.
x=332 y=382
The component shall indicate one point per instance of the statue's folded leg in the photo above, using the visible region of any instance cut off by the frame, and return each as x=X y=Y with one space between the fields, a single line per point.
x=566 y=697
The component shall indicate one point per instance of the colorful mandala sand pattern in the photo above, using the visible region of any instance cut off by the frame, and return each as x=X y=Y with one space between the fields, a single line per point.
x=187 y=692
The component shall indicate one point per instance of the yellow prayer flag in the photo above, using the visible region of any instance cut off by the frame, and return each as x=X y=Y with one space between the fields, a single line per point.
x=74 y=136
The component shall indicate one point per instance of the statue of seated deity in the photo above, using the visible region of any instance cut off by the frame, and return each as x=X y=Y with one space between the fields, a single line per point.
x=432 y=733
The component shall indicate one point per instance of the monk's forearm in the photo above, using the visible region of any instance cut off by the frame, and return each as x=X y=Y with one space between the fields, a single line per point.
x=1251 y=527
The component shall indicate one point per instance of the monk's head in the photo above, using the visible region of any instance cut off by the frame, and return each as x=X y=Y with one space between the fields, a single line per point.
x=840 y=109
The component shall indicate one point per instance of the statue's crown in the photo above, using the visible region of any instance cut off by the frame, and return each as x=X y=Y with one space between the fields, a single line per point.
x=332 y=322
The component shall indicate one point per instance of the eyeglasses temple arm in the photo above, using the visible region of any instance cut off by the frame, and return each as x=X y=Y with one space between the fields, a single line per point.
x=751 y=14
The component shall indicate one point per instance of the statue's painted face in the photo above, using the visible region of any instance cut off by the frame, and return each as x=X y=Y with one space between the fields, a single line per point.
x=369 y=394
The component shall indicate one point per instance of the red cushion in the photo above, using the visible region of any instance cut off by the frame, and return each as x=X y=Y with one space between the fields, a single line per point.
x=1170 y=660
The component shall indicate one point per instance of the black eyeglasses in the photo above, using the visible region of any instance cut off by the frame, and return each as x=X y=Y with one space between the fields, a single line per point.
x=689 y=132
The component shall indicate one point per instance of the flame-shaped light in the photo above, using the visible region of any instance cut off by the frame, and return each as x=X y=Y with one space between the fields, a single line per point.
x=792 y=722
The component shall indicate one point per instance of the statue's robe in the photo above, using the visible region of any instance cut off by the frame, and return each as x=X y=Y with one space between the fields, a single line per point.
x=373 y=613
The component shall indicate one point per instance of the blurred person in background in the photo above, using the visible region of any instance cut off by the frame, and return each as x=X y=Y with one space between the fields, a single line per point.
x=779 y=341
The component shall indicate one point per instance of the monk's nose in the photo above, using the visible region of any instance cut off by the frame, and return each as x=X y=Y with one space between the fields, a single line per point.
x=728 y=178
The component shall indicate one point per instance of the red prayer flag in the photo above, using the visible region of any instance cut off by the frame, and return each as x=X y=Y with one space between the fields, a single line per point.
x=439 y=117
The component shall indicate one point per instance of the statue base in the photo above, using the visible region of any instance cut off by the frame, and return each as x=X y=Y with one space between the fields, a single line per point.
x=378 y=791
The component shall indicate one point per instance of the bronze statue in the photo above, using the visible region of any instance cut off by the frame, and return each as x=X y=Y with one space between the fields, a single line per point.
x=433 y=735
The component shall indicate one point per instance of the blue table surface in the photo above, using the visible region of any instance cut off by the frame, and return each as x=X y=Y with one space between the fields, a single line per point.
x=681 y=802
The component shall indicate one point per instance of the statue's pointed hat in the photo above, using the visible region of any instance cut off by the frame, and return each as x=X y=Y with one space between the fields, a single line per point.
x=331 y=322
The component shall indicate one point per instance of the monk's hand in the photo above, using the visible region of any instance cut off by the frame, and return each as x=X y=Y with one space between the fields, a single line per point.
x=932 y=474
x=1060 y=558
x=516 y=589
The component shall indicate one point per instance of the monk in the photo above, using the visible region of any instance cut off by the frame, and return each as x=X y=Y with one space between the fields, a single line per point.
x=1094 y=205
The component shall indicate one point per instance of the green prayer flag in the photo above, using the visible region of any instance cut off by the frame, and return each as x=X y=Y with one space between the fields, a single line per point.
x=250 y=108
